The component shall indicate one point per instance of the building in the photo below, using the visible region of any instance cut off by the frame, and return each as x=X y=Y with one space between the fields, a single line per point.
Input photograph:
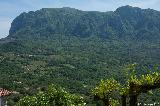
x=3 y=93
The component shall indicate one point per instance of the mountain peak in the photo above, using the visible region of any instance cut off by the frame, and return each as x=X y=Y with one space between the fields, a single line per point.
x=68 y=8
x=129 y=12
x=133 y=9
x=59 y=9
x=128 y=8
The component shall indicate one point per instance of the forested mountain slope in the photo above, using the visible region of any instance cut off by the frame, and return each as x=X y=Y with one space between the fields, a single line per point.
x=75 y=49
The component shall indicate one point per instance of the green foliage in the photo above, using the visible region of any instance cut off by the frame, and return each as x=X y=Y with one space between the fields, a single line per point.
x=149 y=78
x=106 y=88
x=114 y=102
x=134 y=85
x=55 y=96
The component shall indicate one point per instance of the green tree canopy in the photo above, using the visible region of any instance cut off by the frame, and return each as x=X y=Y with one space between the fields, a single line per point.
x=54 y=96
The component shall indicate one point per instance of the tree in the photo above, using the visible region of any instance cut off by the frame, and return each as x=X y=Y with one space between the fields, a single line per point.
x=54 y=96
x=141 y=84
x=133 y=87
x=105 y=91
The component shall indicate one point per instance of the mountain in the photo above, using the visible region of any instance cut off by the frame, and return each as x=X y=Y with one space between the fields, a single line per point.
x=125 y=20
x=76 y=49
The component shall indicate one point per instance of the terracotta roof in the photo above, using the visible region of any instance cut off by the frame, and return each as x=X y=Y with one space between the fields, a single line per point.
x=4 y=92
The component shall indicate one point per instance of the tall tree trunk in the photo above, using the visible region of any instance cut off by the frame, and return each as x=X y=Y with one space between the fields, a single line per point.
x=124 y=98
x=106 y=101
x=133 y=94
x=133 y=100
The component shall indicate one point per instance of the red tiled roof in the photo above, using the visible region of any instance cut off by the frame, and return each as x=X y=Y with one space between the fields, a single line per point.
x=4 y=92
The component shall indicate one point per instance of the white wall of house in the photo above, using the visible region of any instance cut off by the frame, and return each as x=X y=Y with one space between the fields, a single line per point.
x=1 y=101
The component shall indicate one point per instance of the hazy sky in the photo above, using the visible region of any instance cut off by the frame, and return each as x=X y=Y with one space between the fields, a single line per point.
x=9 y=9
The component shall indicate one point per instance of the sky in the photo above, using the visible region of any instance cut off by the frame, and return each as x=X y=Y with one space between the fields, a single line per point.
x=10 y=9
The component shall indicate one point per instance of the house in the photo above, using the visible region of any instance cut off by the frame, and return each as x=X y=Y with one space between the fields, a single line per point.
x=3 y=93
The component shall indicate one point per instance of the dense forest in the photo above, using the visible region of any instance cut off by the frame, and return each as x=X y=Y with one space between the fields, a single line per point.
x=75 y=49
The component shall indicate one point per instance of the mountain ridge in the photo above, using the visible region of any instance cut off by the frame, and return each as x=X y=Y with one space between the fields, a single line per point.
x=124 y=20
